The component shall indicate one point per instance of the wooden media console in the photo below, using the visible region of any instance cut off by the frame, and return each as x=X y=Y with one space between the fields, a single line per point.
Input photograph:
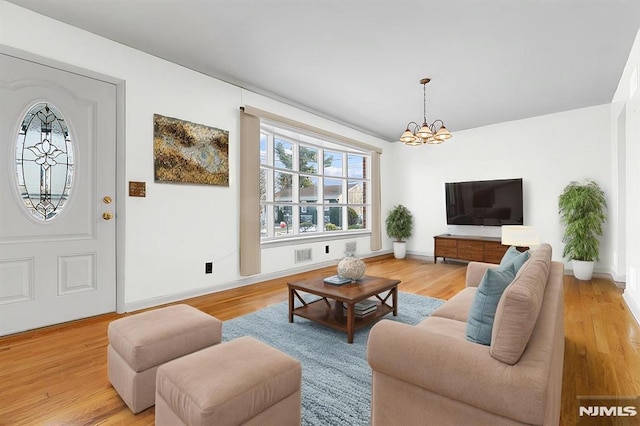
x=470 y=248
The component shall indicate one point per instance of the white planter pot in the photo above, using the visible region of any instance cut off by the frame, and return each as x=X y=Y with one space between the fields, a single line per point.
x=399 y=249
x=582 y=270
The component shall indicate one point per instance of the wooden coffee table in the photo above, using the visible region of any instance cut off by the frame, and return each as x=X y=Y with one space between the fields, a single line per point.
x=329 y=309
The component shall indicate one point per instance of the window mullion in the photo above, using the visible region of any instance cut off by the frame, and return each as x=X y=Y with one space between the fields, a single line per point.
x=321 y=204
x=295 y=190
x=270 y=186
x=270 y=139
x=345 y=194
x=295 y=197
x=345 y=202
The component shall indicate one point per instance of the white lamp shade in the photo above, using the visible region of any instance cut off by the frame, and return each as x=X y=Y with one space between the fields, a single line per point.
x=414 y=142
x=407 y=137
x=520 y=236
x=434 y=140
x=443 y=134
x=424 y=132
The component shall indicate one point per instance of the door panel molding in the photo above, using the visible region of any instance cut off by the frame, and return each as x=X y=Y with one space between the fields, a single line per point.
x=74 y=270
x=20 y=271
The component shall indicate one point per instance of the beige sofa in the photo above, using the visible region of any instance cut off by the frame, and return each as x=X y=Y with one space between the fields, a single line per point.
x=431 y=374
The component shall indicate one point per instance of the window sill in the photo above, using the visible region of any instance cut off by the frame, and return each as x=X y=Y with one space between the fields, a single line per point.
x=305 y=239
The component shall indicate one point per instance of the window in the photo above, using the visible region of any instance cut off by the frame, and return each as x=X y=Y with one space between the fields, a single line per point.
x=310 y=186
x=44 y=162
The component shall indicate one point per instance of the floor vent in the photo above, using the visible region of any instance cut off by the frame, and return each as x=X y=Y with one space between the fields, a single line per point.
x=303 y=255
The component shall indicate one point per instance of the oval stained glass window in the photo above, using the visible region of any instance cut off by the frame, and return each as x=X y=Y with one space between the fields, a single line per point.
x=44 y=161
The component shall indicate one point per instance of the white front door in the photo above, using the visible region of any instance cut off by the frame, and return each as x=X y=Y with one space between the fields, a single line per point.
x=57 y=196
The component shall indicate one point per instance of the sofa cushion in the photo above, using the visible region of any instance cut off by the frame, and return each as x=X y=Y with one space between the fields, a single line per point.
x=519 y=308
x=485 y=302
x=445 y=326
x=513 y=257
x=458 y=306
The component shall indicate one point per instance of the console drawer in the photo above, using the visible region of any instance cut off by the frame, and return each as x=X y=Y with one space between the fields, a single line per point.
x=451 y=252
x=470 y=245
x=470 y=255
x=445 y=242
x=470 y=250
x=493 y=252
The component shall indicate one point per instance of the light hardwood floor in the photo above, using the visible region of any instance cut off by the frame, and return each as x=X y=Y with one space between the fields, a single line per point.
x=58 y=375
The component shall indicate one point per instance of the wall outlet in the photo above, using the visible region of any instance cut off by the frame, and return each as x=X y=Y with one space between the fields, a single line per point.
x=208 y=268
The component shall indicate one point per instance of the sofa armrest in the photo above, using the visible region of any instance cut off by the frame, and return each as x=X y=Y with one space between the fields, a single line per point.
x=475 y=272
x=457 y=369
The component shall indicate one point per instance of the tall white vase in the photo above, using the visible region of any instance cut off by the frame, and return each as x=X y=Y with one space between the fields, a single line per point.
x=582 y=270
x=399 y=249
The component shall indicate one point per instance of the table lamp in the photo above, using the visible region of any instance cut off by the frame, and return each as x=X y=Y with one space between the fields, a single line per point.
x=520 y=236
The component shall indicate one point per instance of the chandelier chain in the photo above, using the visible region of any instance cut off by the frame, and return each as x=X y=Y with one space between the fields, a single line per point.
x=424 y=99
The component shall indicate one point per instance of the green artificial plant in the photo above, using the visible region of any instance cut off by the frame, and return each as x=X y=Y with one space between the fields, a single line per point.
x=581 y=208
x=399 y=223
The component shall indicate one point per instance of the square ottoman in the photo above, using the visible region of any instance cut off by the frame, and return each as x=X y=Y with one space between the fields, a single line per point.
x=140 y=343
x=240 y=382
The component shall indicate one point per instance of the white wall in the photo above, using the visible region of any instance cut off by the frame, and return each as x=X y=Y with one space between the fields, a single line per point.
x=175 y=229
x=626 y=112
x=547 y=152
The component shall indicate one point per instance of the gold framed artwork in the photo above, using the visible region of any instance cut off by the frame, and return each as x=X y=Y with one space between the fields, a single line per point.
x=188 y=152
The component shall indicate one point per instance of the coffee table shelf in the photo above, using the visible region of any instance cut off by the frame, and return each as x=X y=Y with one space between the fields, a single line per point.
x=332 y=316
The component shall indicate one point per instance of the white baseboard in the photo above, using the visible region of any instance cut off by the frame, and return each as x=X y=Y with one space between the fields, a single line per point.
x=618 y=280
x=424 y=254
x=176 y=297
x=633 y=306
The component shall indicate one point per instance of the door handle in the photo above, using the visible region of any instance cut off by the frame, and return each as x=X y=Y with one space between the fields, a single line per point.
x=107 y=215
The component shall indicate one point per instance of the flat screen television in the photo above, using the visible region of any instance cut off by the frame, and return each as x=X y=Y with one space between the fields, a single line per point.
x=485 y=202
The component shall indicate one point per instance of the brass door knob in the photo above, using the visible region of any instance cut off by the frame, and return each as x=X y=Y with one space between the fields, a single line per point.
x=107 y=215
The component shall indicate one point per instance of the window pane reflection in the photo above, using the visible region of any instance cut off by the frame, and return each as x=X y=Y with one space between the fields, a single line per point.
x=332 y=163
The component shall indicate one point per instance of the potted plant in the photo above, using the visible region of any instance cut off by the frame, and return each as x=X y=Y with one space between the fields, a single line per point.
x=581 y=208
x=399 y=224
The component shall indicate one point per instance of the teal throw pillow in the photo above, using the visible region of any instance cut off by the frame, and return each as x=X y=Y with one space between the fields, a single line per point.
x=485 y=303
x=513 y=257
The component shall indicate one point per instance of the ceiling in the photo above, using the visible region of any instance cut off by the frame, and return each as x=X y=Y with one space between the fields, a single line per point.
x=359 y=62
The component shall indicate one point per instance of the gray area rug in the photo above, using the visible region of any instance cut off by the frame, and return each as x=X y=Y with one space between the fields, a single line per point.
x=336 y=379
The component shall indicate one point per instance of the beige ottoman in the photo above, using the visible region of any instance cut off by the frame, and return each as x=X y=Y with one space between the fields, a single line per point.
x=243 y=381
x=140 y=343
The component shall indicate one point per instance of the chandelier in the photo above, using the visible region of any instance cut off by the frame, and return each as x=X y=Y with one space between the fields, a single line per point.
x=418 y=135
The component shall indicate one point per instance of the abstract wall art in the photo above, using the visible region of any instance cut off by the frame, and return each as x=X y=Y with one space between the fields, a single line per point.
x=188 y=152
